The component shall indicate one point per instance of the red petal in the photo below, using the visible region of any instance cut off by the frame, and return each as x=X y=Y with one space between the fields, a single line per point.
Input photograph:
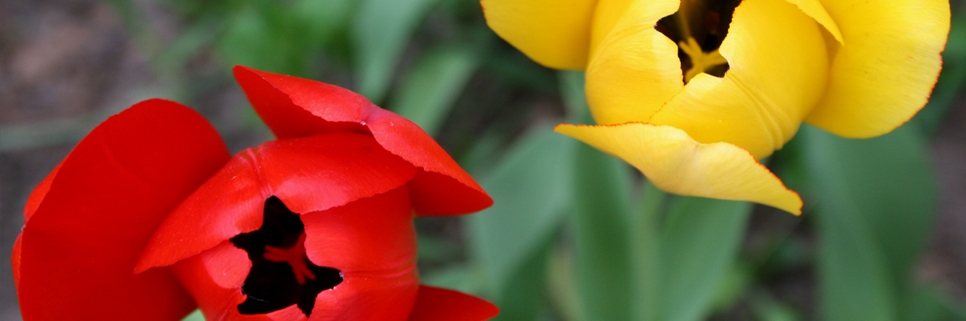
x=78 y=249
x=308 y=174
x=371 y=237
x=296 y=107
x=216 y=302
x=37 y=196
x=372 y=241
x=367 y=299
x=15 y=261
x=436 y=304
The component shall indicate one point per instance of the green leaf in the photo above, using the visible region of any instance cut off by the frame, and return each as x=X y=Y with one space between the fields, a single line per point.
x=523 y=299
x=194 y=316
x=699 y=244
x=602 y=186
x=600 y=225
x=458 y=277
x=380 y=32
x=531 y=189
x=645 y=253
x=572 y=92
x=433 y=84
x=876 y=201
x=929 y=303
x=767 y=308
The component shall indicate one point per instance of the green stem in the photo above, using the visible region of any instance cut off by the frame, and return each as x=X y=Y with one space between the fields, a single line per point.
x=644 y=253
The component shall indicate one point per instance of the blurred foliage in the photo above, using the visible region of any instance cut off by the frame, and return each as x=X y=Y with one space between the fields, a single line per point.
x=574 y=234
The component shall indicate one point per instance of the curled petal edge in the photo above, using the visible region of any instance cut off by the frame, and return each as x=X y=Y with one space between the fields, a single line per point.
x=676 y=163
x=295 y=107
x=815 y=10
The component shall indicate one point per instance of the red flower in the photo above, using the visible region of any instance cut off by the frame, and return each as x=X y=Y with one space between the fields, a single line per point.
x=148 y=217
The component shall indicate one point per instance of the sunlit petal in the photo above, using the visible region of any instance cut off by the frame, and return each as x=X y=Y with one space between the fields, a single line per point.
x=635 y=69
x=676 y=163
x=778 y=71
x=554 y=33
x=91 y=218
x=295 y=107
x=886 y=70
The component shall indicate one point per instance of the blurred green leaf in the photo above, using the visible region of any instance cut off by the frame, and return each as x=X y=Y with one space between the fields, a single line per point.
x=602 y=185
x=564 y=295
x=929 y=303
x=523 y=297
x=433 y=84
x=531 y=190
x=600 y=224
x=877 y=199
x=194 y=316
x=459 y=277
x=515 y=69
x=699 y=244
x=251 y=40
x=435 y=248
x=767 y=308
x=572 y=92
x=380 y=31
x=733 y=286
x=323 y=17
x=644 y=229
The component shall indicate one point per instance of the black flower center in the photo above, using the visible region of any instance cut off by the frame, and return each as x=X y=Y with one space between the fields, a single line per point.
x=281 y=274
x=698 y=28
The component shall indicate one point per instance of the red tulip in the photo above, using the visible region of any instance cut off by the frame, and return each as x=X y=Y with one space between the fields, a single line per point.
x=148 y=217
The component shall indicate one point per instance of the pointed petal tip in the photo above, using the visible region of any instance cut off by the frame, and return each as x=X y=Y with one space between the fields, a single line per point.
x=676 y=163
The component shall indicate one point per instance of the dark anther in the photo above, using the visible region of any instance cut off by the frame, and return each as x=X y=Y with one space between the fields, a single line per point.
x=706 y=22
x=281 y=274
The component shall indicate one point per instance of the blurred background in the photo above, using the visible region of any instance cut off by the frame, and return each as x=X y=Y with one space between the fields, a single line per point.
x=883 y=235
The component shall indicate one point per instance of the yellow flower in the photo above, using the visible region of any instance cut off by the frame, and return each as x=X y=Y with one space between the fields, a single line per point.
x=694 y=92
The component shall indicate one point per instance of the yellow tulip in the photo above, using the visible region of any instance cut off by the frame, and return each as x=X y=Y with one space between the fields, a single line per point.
x=694 y=92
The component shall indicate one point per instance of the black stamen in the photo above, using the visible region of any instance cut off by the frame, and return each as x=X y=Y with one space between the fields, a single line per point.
x=272 y=286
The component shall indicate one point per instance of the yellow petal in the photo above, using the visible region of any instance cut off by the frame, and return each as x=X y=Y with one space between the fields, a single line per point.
x=886 y=70
x=635 y=69
x=554 y=33
x=814 y=9
x=676 y=163
x=778 y=62
x=606 y=15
